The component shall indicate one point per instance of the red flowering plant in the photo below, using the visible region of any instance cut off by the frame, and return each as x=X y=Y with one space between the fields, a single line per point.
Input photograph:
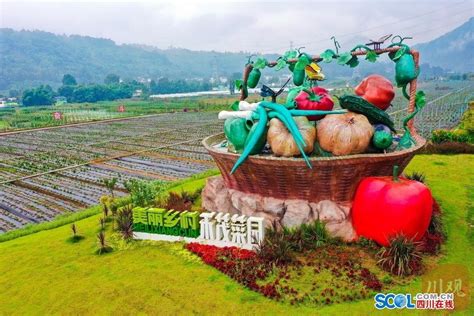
x=240 y=264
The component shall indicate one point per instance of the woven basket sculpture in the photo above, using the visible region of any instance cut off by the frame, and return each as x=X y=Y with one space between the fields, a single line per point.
x=331 y=178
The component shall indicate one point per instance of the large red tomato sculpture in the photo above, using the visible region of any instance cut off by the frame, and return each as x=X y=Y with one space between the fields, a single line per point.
x=385 y=207
x=315 y=99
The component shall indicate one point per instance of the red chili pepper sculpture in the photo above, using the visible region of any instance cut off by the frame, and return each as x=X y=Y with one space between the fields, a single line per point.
x=377 y=90
x=315 y=99
x=385 y=207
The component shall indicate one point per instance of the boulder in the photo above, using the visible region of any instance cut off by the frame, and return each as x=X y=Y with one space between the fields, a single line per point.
x=343 y=230
x=315 y=210
x=273 y=206
x=330 y=212
x=297 y=212
x=289 y=213
x=269 y=218
x=216 y=197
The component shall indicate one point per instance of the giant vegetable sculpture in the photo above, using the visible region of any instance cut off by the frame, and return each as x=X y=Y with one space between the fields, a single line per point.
x=405 y=69
x=282 y=142
x=345 y=134
x=376 y=90
x=316 y=98
x=290 y=128
x=386 y=207
x=348 y=151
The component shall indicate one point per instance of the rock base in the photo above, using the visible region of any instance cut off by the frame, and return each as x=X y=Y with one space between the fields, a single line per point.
x=216 y=197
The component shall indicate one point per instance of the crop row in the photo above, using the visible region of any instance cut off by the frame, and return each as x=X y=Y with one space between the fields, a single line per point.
x=165 y=147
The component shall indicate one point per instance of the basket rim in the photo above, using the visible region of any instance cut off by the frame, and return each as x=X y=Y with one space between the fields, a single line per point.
x=211 y=140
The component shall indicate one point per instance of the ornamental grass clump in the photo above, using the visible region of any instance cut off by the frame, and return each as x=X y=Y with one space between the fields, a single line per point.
x=402 y=257
x=276 y=247
x=124 y=222
x=103 y=246
x=436 y=226
x=417 y=176
x=178 y=202
x=102 y=223
x=279 y=245
x=75 y=236
x=307 y=236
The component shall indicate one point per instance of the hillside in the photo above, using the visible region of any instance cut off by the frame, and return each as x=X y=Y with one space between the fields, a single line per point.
x=30 y=58
x=453 y=51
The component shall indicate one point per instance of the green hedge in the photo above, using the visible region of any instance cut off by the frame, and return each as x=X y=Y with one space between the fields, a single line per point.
x=459 y=135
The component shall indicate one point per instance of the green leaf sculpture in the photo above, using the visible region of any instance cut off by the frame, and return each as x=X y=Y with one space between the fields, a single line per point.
x=290 y=54
x=344 y=58
x=281 y=63
x=353 y=62
x=260 y=63
x=238 y=84
x=371 y=56
x=327 y=55
x=303 y=61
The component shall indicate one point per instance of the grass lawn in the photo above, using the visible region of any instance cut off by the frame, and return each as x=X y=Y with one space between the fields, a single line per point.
x=44 y=274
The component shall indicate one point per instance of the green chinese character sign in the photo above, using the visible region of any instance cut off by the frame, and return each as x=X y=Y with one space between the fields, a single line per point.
x=168 y=222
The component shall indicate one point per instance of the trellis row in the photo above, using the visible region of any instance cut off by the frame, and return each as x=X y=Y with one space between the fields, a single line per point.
x=211 y=228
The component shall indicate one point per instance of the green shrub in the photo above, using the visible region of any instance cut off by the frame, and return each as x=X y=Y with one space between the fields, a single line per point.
x=448 y=148
x=440 y=136
x=467 y=120
x=143 y=193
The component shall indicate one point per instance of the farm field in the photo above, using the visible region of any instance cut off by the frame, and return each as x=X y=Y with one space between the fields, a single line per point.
x=49 y=172
x=45 y=173
x=16 y=118
x=53 y=276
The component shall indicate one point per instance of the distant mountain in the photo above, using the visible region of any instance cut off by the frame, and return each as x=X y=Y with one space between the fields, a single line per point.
x=29 y=58
x=452 y=51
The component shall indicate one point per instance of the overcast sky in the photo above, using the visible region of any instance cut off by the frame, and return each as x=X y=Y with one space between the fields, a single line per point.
x=257 y=26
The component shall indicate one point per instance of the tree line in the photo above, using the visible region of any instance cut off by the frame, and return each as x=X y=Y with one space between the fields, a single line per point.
x=112 y=89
